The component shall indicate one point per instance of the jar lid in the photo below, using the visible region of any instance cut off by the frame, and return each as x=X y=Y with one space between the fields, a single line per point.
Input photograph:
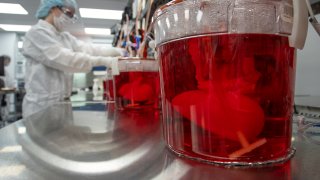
x=163 y=8
x=186 y=18
x=134 y=64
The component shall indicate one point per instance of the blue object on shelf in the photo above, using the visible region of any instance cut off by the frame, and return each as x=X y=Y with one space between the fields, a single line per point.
x=138 y=41
x=99 y=68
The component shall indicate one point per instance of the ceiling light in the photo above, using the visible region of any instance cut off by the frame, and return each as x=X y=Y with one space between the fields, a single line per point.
x=11 y=27
x=100 y=13
x=9 y=8
x=98 y=31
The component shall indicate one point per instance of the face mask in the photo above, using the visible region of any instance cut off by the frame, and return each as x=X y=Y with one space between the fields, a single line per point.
x=62 y=22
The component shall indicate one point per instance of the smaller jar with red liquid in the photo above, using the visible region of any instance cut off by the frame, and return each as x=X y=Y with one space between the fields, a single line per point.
x=137 y=87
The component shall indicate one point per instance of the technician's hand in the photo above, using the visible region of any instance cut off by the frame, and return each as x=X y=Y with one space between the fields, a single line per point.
x=122 y=52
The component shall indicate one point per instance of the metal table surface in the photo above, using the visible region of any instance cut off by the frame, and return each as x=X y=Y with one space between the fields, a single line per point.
x=96 y=142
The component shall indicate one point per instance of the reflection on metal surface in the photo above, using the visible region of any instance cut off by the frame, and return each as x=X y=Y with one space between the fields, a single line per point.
x=309 y=130
x=313 y=134
x=176 y=169
x=290 y=153
x=95 y=121
x=10 y=171
x=62 y=144
x=10 y=149
x=22 y=130
x=194 y=170
x=108 y=166
x=91 y=142
x=303 y=124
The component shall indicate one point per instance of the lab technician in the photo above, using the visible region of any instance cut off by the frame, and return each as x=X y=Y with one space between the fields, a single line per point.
x=8 y=82
x=53 y=55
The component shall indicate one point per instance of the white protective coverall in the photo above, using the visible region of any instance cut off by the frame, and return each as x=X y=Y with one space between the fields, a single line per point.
x=51 y=59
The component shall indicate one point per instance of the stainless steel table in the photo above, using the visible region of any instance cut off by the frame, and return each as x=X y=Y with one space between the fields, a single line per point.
x=96 y=142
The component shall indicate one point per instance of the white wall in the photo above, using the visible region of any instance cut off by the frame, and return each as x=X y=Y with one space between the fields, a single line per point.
x=308 y=66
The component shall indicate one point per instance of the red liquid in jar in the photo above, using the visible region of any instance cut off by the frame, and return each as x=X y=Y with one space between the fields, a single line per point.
x=225 y=94
x=137 y=90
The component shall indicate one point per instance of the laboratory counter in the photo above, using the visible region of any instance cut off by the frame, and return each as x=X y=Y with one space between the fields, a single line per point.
x=93 y=141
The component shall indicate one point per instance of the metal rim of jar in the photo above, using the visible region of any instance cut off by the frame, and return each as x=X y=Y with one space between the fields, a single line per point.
x=135 y=59
x=163 y=9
